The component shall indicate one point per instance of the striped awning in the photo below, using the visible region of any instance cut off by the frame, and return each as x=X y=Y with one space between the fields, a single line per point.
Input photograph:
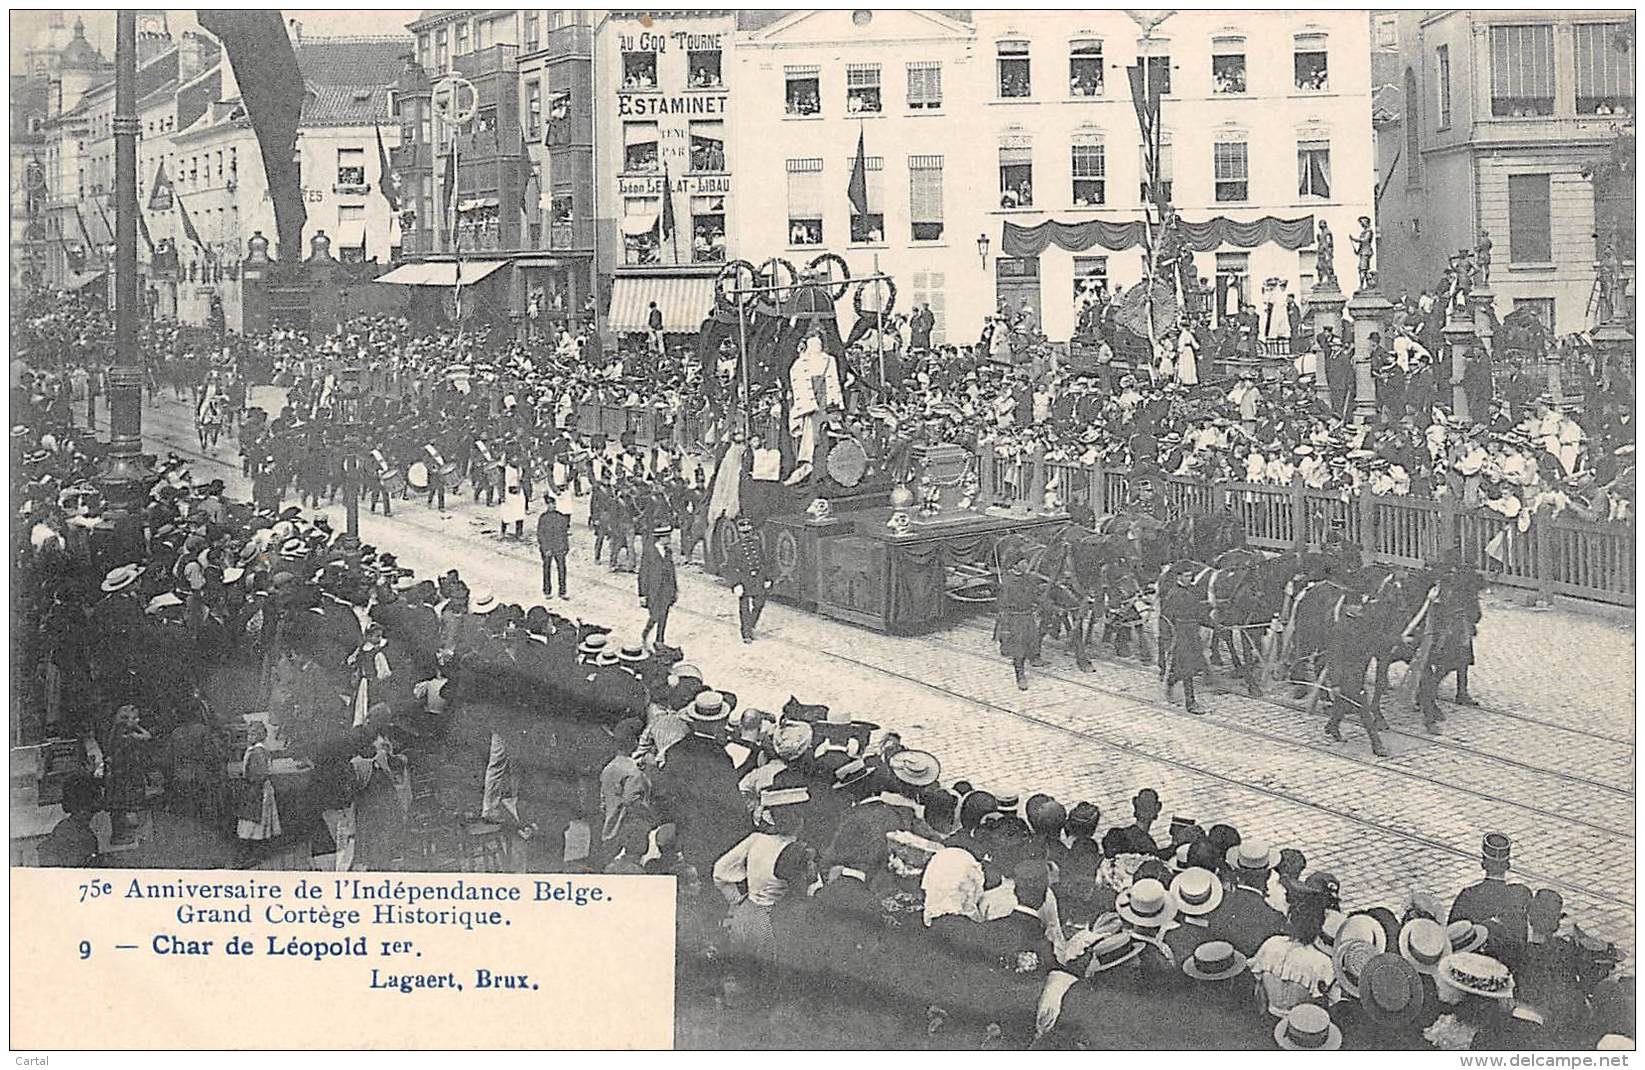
x=440 y=272
x=685 y=301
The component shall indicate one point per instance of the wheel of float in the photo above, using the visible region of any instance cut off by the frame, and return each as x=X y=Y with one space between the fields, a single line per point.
x=772 y=302
x=836 y=290
x=740 y=275
x=890 y=299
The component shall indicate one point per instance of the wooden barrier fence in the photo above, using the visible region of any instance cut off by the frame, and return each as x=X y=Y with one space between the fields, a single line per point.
x=1557 y=556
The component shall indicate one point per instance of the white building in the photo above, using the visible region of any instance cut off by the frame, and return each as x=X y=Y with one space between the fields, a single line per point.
x=812 y=83
x=1026 y=118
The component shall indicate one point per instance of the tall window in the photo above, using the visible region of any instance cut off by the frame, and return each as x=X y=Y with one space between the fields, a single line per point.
x=1166 y=172
x=642 y=237
x=1522 y=71
x=805 y=202
x=1614 y=215
x=439 y=50
x=707 y=230
x=1604 y=69
x=640 y=148
x=1314 y=169
x=1232 y=170
x=708 y=146
x=1442 y=85
x=1014 y=74
x=862 y=89
x=1155 y=57
x=925 y=86
x=1233 y=282
x=532 y=31
x=351 y=167
x=1228 y=65
x=1311 y=64
x=703 y=68
x=870 y=226
x=925 y=198
x=639 y=71
x=424 y=58
x=1085 y=69
x=1016 y=176
x=461 y=45
x=1090 y=275
x=1530 y=237
x=533 y=110
x=802 y=90
x=1089 y=167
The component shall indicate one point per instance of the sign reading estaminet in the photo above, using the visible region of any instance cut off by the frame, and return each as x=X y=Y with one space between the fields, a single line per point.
x=243 y=959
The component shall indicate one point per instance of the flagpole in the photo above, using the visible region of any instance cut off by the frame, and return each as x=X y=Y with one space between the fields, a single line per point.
x=879 y=324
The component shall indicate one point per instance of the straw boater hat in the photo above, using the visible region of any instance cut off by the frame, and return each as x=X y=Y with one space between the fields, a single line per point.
x=1464 y=935
x=1390 y=990
x=120 y=578
x=1214 y=960
x=1350 y=959
x=1422 y=943
x=481 y=602
x=1196 y=891
x=631 y=653
x=851 y=772
x=1252 y=855
x=1112 y=951
x=1362 y=927
x=1474 y=974
x=593 y=645
x=1307 y=1028
x=1146 y=904
x=162 y=602
x=708 y=708
x=915 y=768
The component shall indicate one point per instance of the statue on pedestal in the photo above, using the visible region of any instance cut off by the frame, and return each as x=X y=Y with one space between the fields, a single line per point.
x=1482 y=256
x=1325 y=251
x=1365 y=248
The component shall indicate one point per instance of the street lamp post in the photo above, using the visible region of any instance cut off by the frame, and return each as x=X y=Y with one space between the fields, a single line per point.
x=124 y=477
x=348 y=413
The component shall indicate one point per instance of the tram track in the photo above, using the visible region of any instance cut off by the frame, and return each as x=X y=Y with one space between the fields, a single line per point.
x=519 y=554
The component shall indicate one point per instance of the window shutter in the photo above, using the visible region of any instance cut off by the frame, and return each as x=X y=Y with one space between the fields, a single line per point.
x=805 y=189
x=925 y=189
x=1529 y=224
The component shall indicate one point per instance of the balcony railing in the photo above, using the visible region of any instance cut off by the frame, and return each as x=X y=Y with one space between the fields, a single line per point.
x=487 y=61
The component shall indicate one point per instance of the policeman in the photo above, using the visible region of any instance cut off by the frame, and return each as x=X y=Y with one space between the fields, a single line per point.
x=1348 y=655
x=1493 y=902
x=1182 y=613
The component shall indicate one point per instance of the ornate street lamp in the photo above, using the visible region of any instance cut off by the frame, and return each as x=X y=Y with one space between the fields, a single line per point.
x=982 y=249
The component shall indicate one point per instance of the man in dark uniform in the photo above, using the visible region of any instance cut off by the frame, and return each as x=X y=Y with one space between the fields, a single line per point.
x=747 y=571
x=661 y=591
x=1018 y=626
x=1348 y=655
x=1182 y=611
x=1452 y=617
x=553 y=543
x=1493 y=902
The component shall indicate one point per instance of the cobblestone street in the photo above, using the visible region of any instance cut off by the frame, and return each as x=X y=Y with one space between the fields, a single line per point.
x=1548 y=759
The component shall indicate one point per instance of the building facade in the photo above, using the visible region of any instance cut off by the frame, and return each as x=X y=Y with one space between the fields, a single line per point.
x=1503 y=115
x=663 y=196
x=814 y=83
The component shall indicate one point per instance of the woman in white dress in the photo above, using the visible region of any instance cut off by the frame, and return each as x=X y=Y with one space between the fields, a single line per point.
x=512 y=509
x=259 y=815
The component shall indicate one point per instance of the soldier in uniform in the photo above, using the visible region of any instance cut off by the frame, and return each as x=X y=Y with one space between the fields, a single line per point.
x=1452 y=618
x=746 y=569
x=1018 y=625
x=1348 y=655
x=1182 y=613
x=1493 y=902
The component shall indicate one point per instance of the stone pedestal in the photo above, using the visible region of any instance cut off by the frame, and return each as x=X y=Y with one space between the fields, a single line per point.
x=1616 y=343
x=1325 y=304
x=1371 y=312
x=1460 y=339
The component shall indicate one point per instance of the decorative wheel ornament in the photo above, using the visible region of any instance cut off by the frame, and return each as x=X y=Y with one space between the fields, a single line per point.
x=839 y=281
x=890 y=291
x=781 y=274
x=737 y=275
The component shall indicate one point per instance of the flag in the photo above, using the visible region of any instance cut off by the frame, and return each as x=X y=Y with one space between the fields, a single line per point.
x=271 y=87
x=531 y=191
x=387 y=180
x=448 y=206
x=143 y=229
x=668 y=205
x=188 y=226
x=85 y=235
x=160 y=198
x=108 y=224
x=856 y=191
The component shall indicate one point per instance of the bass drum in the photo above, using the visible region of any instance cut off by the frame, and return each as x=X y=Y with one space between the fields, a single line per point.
x=452 y=477
x=394 y=482
x=417 y=476
x=847 y=462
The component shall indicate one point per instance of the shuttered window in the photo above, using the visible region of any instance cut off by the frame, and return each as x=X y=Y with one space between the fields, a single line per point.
x=1522 y=71
x=1231 y=167
x=1529 y=220
x=805 y=201
x=925 y=198
x=925 y=86
x=1604 y=69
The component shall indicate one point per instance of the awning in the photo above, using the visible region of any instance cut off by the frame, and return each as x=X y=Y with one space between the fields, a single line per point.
x=685 y=301
x=80 y=282
x=440 y=272
x=476 y=203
